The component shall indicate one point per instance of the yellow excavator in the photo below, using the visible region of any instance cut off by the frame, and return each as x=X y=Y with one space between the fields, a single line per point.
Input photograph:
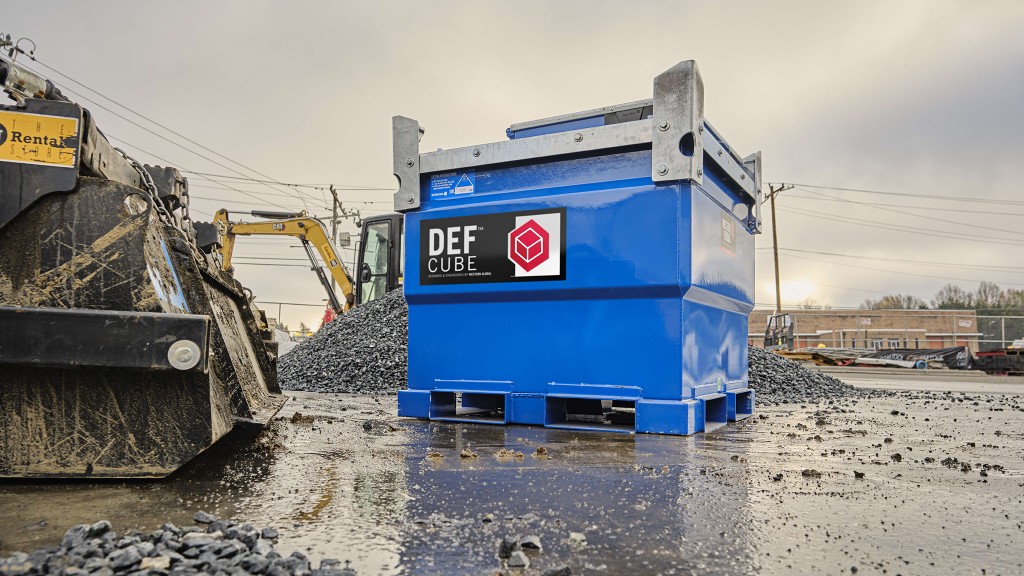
x=308 y=230
x=379 y=262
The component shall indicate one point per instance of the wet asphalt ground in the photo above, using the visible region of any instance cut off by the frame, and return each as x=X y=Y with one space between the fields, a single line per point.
x=923 y=483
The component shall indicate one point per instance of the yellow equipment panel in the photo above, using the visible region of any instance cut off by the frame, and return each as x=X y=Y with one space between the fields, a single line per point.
x=37 y=139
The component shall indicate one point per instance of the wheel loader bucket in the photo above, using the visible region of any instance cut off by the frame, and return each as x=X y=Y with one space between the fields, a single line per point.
x=124 y=350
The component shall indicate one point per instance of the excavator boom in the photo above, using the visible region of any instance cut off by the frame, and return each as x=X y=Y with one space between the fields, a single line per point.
x=298 y=225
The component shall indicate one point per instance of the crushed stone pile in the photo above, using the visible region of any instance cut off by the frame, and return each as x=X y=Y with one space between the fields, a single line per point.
x=778 y=380
x=363 y=351
x=218 y=547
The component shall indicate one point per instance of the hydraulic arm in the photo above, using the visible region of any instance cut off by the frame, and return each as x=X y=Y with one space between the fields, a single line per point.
x=299 y=225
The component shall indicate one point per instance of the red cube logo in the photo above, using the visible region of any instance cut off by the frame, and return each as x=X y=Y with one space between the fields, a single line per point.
x=528 y=245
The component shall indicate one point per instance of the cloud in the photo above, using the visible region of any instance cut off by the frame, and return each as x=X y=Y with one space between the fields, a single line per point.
x=910 y=96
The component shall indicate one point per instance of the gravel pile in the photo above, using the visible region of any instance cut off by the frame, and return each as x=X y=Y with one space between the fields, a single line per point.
x=363 y=351
x=221 y=548
x=778 y=380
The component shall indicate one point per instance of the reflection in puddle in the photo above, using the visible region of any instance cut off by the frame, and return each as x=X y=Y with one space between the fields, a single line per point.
x=330 y=485
x=398 y=498
x=643 y=503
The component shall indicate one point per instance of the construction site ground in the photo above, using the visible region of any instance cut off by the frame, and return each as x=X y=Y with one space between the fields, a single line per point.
x=926 y=482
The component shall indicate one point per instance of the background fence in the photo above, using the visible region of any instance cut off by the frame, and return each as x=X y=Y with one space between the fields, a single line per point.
x=881 y=329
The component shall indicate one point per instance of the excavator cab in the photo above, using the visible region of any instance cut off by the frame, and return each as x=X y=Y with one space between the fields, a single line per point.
x=381 y=257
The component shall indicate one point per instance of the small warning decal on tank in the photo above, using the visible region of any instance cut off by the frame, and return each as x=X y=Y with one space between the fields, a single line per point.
x=38 y=139
x=728 y=235
x=504 y=247
x=452 y=184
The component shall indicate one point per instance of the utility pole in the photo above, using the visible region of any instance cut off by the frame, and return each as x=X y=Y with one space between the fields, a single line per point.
x=339 y=212
x=773 y=192
x=334 y=229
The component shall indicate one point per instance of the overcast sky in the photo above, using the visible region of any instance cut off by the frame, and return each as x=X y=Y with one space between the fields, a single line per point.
x=908 y=97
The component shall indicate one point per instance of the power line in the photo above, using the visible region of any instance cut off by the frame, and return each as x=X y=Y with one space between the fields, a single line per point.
x=269 y=179
x=271 y=239
x=222 y=184
x=235 y=202
x=272 y=264
x=234 y=183
x=929 y=208
x=58 y=72
x=932 y=218
x=162 y=137
x=906 y=229
x=766 y=307
x=910 y=195
x=890 y=271
x=1010 y=269
x=269 y=258
x=297 y=192
x=316 y=186
x=168 y=162
x=848 y=288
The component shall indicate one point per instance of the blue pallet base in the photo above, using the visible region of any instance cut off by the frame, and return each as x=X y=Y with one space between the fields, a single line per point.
x=580 y=411
x=677 y=418
x=716 y=411
x=414 y=403
x=482 y=406
x=740 y=404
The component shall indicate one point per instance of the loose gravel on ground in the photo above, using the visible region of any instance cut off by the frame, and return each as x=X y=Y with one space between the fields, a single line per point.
x=778 y=380
x=219 y=547
x=365 y=351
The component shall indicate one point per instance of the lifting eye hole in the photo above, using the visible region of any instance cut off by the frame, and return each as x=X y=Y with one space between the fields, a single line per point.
x=686 y=144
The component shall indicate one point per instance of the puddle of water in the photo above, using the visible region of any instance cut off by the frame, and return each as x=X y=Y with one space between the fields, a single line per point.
x=397 y=497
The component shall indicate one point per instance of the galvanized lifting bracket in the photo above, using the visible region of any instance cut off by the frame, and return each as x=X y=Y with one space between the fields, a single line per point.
x=677 y=143
x=406 y=134
x=672 y=123
x=753 y=165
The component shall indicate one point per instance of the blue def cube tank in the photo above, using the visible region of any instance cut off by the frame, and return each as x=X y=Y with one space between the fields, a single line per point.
x=594 y=271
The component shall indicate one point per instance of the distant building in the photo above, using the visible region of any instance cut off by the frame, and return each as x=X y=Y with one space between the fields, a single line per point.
x=876 y=329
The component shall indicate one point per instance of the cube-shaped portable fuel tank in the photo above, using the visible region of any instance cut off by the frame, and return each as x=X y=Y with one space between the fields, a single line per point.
x=594 y=271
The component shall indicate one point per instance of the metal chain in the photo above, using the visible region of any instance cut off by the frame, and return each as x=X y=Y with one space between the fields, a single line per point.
x=186 y=201
x=165 y=215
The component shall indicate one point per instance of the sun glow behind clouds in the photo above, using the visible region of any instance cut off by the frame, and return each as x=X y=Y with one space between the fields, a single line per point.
x=796 y=291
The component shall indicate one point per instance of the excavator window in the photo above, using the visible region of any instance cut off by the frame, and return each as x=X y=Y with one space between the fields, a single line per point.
x=376 y=257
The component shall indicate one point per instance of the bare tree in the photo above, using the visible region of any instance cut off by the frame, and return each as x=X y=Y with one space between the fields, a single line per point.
x=895 y=302
x=988 y=296
x=953 y=297
x=1013 y=298
x=812 y=304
